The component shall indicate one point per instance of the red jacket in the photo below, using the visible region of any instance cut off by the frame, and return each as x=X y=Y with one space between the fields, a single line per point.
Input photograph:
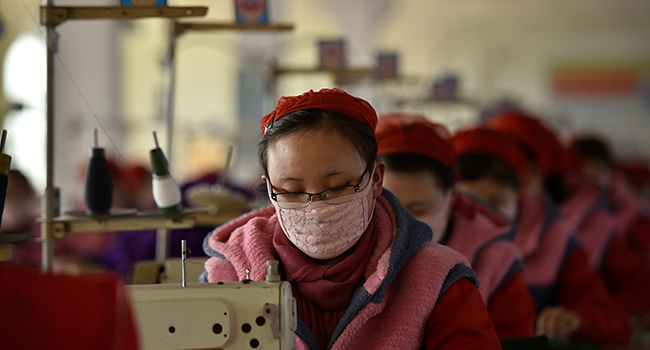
x=582 y=290
x=485 y=238
x=628 y=277
x=622 y=265
x=639 y=237
x=414 y=293
x=512 y=309
x=48 y=311
x=551 y=251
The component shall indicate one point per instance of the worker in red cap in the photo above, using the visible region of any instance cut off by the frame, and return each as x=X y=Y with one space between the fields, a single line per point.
x=420 y=162
x=637 y=173
x=594 y=202
x=578 y=202
x=598 y=168
x=363 y=270
x=624 y=262
x=572 y=300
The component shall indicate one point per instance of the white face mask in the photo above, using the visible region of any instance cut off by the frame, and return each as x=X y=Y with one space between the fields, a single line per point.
x=326 y=230
x=510 y=209
x=439 y=219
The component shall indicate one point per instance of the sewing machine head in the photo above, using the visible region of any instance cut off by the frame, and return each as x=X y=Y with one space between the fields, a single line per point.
x=231 y=315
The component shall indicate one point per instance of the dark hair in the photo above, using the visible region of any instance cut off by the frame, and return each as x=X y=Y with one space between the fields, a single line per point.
x=594 y=149
x=478 y=166
x=20 y=187
x=410 y=162
x=554 y=186
x=359 y=133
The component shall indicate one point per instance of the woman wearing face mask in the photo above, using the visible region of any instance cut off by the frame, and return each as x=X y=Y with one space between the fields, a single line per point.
x=420 y=164
x=363 y=271
x=619 y=259
x=594 y=202
x=572 y=300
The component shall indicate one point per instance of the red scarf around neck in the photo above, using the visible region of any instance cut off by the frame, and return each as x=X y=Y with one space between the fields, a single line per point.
x=323 y=292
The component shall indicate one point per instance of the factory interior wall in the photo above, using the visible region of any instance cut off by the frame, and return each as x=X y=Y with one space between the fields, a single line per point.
x=110 y=73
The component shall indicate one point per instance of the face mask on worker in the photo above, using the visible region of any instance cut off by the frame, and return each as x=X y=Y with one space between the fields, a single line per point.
x=327 y=228
x=439 y=218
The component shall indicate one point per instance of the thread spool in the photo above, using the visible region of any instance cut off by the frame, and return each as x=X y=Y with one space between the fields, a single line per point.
x=5 y=165
x=166 y=192
x=99 y=185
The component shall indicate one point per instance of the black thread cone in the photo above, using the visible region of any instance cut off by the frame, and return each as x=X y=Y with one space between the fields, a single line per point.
x=5 y=164
x=99 y=185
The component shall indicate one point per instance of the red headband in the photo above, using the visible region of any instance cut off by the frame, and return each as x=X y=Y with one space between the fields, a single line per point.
x=331 y=100
x=636 y=171
x=403 y=133
x=531 y=133
x=493 y=143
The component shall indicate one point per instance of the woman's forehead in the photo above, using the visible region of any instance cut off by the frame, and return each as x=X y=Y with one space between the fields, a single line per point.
x=321 y=152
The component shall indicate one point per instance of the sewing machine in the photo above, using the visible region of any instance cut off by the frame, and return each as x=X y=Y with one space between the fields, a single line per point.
x=230 y=315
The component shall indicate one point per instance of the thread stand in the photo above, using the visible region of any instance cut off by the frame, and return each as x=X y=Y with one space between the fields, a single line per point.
x=169 y=81
x=52 y=16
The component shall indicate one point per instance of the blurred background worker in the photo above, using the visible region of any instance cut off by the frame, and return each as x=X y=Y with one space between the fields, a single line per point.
x=420 y=163
x=572 y=299
x=595 y=202
x=355 y=257
x=619 y=254
x=566 y=82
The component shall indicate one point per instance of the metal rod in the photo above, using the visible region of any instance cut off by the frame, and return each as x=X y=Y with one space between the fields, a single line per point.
x=155 y=139
x=3 y=141
x=47 y=252
x=184 y=262
x=162 y=244
x=210 y=26
x=96 y=138
x=226 y=168
x=56 y=15
x=169 y=77
x=169 y=80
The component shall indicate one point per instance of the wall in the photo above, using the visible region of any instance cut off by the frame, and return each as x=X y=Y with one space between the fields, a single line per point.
x=498 y=47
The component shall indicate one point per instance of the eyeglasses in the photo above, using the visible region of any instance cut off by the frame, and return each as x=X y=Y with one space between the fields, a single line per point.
x=292 y=200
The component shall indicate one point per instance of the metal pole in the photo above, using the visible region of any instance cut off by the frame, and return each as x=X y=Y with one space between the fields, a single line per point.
x=169 y=81
x=47 y=254
x=162 y=244
x=184 y=263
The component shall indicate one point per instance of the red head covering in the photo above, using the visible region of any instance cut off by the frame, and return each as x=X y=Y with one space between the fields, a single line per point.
x=403 y=133
x=134 y=176
x=116 y=171
x=493 y=143
x=636 y=171
x=531 y=133
x=331 y=100
x=573 y=160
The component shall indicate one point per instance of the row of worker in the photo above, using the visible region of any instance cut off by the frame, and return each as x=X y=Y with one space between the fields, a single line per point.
x=395 y=234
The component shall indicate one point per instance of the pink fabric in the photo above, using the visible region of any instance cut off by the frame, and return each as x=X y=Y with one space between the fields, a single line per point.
x=323 y=292
x=326 y=229
x=532 y=212
x=583 y=198
x=247 y=243
x=544 y=250
x=595 y=233
x=409 y=301
x=475 y=235
x=330 y=287
x=626 y=204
